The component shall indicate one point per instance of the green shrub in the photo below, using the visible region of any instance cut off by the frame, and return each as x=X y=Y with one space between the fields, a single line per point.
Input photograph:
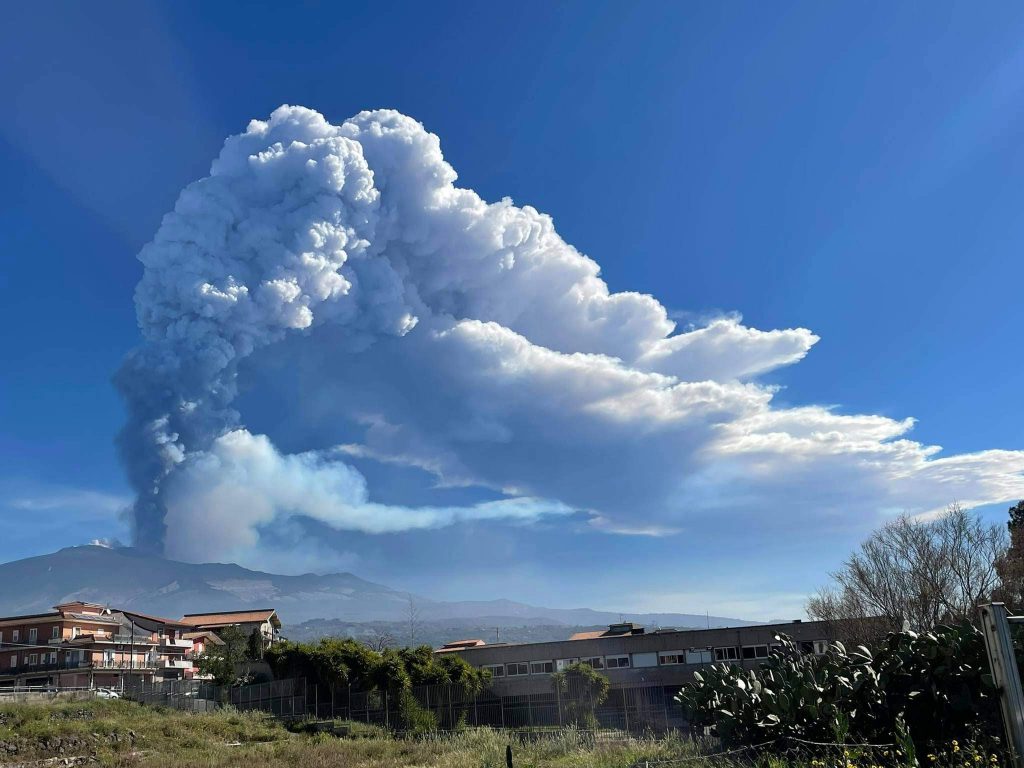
x=933 y=686
x=414 y=719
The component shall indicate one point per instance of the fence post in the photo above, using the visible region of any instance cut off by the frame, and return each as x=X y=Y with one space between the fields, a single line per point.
x=625 y=707
x=995 y=625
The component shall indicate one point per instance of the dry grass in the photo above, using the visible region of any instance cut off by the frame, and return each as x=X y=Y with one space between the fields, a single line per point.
x=120 y=733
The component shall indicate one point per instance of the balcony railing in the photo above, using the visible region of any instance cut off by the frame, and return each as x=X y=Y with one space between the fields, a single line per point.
x=33 y=668
x=125 y=665
x=125 y=639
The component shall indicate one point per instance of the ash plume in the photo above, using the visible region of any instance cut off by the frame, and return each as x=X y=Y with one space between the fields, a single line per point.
x=465 y=339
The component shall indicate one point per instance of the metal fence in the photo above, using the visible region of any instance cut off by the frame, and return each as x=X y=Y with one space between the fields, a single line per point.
x=281 y=698
x=631 y=709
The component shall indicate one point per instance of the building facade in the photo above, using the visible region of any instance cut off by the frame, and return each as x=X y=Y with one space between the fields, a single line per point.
x=264 y=621
x=86 y=645
x=632 y=657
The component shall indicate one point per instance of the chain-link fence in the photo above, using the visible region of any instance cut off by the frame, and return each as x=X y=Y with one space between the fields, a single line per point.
x=281 y=698
x=634 y=709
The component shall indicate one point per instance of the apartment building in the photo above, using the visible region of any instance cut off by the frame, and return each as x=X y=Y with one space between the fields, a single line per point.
x=631 y=656
x=80 y=644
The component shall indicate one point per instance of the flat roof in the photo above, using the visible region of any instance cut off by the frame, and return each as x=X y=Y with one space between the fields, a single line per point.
x=604 y=636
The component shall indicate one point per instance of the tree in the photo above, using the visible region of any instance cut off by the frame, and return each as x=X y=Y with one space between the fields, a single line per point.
x=332 y=662
x=254 y=646
x=382 y=639
x=581 y=689
x=921 y=572
x=222 y=662
x=1010 y=566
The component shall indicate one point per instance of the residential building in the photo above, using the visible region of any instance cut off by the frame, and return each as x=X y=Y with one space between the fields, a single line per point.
x=264 y=621
x=173 y=652
x=76 y=644
x=80 y=644
x=631 y=656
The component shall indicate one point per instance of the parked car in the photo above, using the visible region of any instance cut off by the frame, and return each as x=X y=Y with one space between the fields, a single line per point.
x=106 y=693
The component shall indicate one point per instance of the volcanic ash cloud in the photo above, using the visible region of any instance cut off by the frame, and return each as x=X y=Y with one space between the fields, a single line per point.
x=409 y=322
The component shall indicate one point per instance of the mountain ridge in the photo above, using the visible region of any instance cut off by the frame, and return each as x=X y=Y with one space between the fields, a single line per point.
x=128 y=578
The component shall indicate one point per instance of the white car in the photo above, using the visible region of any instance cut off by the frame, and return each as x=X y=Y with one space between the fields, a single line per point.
x=106 y=693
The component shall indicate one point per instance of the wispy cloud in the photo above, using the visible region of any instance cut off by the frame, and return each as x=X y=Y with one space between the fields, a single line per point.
x=76 y=500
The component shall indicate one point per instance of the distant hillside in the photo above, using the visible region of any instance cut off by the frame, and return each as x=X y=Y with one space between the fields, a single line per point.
x=127 y=578
x=434 y=633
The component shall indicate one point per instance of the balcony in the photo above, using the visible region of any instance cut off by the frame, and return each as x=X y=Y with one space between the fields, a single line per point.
x=137 y=640
x=32 y=669
x=175 y=644
x=176 y=664
x=124 y=666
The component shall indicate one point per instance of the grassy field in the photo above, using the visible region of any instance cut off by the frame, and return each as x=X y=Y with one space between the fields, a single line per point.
x=121 y=733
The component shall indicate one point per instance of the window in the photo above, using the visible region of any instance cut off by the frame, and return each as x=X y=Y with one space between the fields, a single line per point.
x=1 y=637
x=14 y=661
x=645 y=660
x=596 y=662
x=726 y=654
x=616 y=662
x=672 y=657
x=17 y=635
x=821 y=647
x=55 y=632
x=541 y=667
x=496 y=670
x=33 y=635
x=33 y=659
x=53 y=657
x=699 y=656
x=561 y=664
x=76 y=631
x=755 y=651
x=517 y=668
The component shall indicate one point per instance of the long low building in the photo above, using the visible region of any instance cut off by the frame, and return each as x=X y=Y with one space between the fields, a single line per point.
x=631 y=656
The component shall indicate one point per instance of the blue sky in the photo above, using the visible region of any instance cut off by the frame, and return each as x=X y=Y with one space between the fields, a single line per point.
x=851 y=169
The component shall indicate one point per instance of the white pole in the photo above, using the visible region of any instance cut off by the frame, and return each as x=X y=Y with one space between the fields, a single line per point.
x=995 y=625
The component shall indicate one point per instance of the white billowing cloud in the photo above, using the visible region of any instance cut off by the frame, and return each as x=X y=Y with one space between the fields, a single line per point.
x=402 y=318
x=725 y=349
x=219 y=499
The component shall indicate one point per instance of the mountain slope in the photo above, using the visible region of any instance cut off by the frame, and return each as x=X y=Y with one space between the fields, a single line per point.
x=127 y=578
